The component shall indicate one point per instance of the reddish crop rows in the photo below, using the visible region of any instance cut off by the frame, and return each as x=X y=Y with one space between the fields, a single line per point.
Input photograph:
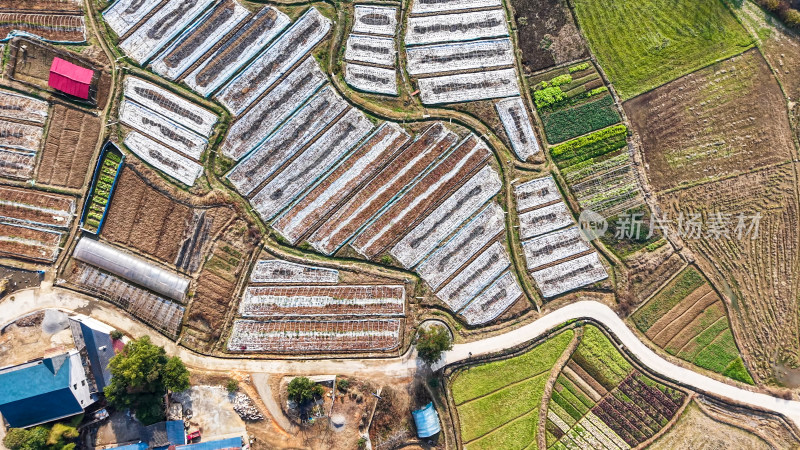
x=35 y=207
x=22 y=241
x=448 y=175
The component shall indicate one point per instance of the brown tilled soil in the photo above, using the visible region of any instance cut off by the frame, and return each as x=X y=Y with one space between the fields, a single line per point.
x=154 y=221
x=547 y=34
x=67 y=26
x=683 y=314
x=69 y=148
x=725 y=119
x=758 y=275
x=46 y=6
x=684 y=339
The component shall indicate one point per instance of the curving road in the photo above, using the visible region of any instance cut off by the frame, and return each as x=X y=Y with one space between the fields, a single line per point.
x=29 y=301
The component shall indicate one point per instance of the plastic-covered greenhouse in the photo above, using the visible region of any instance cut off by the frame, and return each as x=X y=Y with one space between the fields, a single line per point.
x=132 y=268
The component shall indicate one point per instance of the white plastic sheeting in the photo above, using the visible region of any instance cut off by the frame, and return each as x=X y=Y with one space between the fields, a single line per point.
x=275 y=61
x=432 y=6
x=517 y=124
x=199 y=38
x=475 y=276
x=370 y=49
x=262 y=162
x=237 y=50
x=170 y=105
x=447 y=217
x=308 y=336
x=312 y=163
x=553 y=247
x=468 y=26
x=16 y=163
x=22 y=107
x=544 y=220
x=339 y=300
x=460 y=56
x=371 y=79
x=163 y=130
x=162 y=158
x=161 y=28
x=278 y=271
x=271 y=110
x=20 y=136
x=132 y=268
x=374 y=19
x=493 y=301
x=536 y=193
x=469 y=87
x=570 y=275
x=124 y=14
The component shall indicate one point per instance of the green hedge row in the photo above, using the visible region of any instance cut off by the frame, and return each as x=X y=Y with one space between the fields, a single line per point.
x=590 y=146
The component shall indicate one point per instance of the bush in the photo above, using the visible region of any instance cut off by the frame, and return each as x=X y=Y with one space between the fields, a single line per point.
x=232 y=385
x=431 y=342
x=579 y=68
x=116 y=335
x=343 y=384
x=302 y=390
x=548 y=96
x=362 y=443
x=32 y=439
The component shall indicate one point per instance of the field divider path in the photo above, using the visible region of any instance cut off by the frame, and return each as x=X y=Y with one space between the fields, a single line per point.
x=551 y=382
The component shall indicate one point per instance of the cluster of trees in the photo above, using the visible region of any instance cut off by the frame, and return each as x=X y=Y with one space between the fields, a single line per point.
x=785 y=10
x=432 y=341
x=59 y=436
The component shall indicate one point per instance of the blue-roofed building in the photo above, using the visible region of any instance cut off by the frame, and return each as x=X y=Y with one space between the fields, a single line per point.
x=426 y=420
x=222 y=444
x=137 y=446
x=44 y=390
x=93 y=341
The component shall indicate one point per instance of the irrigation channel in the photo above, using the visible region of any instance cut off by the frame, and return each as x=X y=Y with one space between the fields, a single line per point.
x=31 y=300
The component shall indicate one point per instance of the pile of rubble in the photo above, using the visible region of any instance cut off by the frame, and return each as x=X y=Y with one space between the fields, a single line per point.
x=245 y=407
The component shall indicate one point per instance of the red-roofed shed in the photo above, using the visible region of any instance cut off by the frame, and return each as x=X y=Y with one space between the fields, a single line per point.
x=70 y=78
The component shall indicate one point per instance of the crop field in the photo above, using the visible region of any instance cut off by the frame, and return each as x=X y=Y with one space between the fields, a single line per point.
x=466 y=26
x=162 y=129
x=468 y=242
x=160 y=28
x=469 y=87
x=123 y=15
x=237 y=49
x=16 y=163
x=447 y=217
x=218 y=281
x=28 y=242
x=275 y=61
x=536 y=193
x=271 y=110
x=286 y=141
x=434 y=6
x=315 y=160
x=315 y=301
x=161 y=314
x=159 y=223
x=370 y=49
x=32 y=223
x=460 y=56
x=382 y=189
x=171 y=106
x=495 y=299
x=600 y=401
x=21 y=136
x=544 y=220
x=371 y=79
x=164 y=159
x=67 y=153
x=286 y=272
x=52 y=27
x=689 y=320
x=66 y=6
x=725 y=119
x=517 y=123
x=199 y=38
x=547 y=34
x=306 y=336
x=678 y=39
x=448 y=175
x=373 y=19
x=16 y=106
x=102 y=186
x=327 y=196
x=552 y=247
x=569 y=275
x=474 y=277
x=498 y=402
x=571 y=122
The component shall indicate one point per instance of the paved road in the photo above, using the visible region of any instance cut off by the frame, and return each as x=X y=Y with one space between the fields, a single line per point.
x=403 y=366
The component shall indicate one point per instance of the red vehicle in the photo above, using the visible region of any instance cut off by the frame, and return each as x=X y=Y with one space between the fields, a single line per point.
x=192 y=436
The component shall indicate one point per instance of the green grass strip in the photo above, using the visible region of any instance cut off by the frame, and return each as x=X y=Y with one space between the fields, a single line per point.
x=518 y=434
x=678 y=289
x=590 y=146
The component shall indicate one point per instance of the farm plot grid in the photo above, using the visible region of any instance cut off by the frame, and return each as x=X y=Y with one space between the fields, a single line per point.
x=164 y=159
x=473 y=278
x=374 y=19
x=149 y=37
x=277 y=271
x=559 y=258
x=316 y=301
x=170 y=106
x=517 y=125
x=199 y=38
x=267 y=113
x=22 y=120
x=326 y=197
x=33 y=223
x=371 y=79
x=460 y=56
x=16 y=106
x=60 y=28
x=689 y=320
x=365 y=51
x=67 y=153
x=236 y=50
x=162 y=129
x=275 y=61
x=302 y=336
x=600 y=401
x=498 y=402
x=161 y=314
x=468 y=87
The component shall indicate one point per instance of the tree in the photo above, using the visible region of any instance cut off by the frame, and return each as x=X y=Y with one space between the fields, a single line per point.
x=140 y=376
x=431 y=342
x=232 y=385
x=22 y=439
x=302 y=390
x=116 y=335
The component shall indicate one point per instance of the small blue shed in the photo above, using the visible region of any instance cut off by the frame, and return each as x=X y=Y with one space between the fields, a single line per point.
x=426 y=420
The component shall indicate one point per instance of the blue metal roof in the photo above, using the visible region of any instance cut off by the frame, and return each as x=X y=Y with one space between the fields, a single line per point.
x=234 y=442
x=427 y=421
x=139 y=446
x=37 y=392
x=100 y=350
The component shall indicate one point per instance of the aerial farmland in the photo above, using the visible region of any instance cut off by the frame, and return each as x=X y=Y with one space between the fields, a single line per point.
x=480 y=224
